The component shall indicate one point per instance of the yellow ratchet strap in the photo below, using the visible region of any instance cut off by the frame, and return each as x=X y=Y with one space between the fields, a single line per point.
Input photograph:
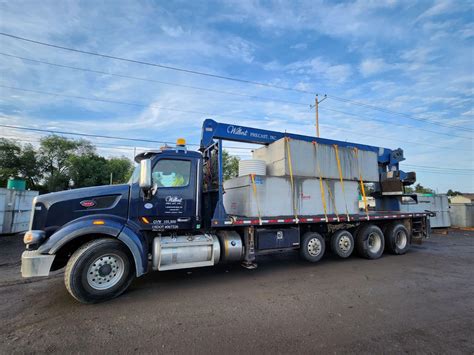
x=290 y=167
x=321 y=186
x=336 y=149
x=364 y=197
x=331 y=196
x=254 y=185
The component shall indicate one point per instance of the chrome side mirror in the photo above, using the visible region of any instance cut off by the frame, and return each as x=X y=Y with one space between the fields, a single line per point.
x=145 y=175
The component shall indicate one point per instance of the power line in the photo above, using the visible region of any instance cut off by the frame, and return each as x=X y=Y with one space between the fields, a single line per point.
x=107 y=100
x=420 y=168
x=381 y=109
x=156 y=64
x=120 y=102
x=438 y=167
x=154 y=81
x=404 y=141
x=223 y=77
x=53 y=131
x=358 y=117
x=109 y=137
x=361 y=118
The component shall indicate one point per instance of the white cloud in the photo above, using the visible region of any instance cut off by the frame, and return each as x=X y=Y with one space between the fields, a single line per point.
x=371 y=66
x=299 y=46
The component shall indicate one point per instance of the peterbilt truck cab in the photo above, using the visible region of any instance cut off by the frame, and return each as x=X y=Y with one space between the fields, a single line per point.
x=104 y=235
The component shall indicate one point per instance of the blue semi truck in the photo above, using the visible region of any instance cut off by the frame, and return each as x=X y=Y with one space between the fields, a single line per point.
x=171 y=216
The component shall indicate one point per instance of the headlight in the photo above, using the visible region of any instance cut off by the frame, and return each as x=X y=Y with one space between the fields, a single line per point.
x=34 y=237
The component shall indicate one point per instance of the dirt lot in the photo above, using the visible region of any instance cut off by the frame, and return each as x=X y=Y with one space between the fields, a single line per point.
x=420 y=302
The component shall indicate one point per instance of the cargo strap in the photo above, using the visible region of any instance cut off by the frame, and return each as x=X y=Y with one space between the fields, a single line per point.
x=336 y=149
x=290 y=167
x=321 y=187
x=331 y=196
x=254 y=186
x=364 y=197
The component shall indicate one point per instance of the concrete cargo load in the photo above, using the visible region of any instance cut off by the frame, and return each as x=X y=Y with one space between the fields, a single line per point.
x=304 y=156
x=274 y=196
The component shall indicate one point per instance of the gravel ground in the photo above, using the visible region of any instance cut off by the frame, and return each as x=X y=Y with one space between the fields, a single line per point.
x=420 y=302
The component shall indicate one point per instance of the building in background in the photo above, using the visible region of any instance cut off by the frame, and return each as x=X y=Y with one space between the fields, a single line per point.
x=463 y=198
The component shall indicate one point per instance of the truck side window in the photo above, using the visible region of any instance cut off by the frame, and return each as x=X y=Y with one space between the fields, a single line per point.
x=171 y=173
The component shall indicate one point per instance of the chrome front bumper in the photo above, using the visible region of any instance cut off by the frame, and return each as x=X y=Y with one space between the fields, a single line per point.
x=35 y=264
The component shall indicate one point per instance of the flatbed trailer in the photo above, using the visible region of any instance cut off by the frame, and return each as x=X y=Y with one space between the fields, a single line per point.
x=171 y=216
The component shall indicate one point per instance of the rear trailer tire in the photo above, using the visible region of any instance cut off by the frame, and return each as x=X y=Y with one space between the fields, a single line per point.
x=99 y=270
x=312 y=247
x=370 y=242
x=397 y=239
x=342 y=243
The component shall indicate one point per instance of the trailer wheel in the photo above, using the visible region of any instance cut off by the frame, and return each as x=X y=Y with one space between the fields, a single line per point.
x=99 y=270
x=342 y=243
x=397 y=239
x=312 y=247
x=370 y=242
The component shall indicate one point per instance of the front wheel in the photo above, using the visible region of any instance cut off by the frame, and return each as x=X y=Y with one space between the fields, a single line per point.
x=99 y=270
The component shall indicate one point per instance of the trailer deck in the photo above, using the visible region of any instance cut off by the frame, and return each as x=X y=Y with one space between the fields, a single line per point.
x=372 y=216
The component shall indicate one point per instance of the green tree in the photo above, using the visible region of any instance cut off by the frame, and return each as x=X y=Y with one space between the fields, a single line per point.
x=453 y=193
x=19 y=162
x=423 y=190
x=230 y=165
x=55 y=159
x=120 y=168
x=88 y=170
x=29 y=168
x=9 y=160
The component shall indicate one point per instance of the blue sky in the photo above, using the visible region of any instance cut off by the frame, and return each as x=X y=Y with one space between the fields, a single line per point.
x=411 y=57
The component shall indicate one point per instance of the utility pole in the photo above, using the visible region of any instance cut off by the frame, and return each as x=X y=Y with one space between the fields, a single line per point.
x=316 y=106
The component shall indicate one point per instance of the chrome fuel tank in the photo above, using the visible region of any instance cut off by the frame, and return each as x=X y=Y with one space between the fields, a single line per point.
x=185 y=251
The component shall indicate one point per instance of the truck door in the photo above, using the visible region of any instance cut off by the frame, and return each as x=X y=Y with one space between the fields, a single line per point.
x=174 y=204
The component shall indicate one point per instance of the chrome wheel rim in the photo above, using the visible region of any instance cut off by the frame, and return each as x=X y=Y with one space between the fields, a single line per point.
x=401 y=240
x=375 y=243
x=345 y=243
x=105 y=272
x=314 y=247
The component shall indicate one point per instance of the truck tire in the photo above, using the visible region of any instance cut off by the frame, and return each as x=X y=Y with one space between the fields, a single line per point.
x=99 y=270
x=397 y=239
x=342 y=243
x=312 y=247
x=370 y=242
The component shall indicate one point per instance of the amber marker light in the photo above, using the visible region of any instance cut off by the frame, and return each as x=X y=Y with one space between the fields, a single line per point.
x=145 y=220
x=98 y=222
